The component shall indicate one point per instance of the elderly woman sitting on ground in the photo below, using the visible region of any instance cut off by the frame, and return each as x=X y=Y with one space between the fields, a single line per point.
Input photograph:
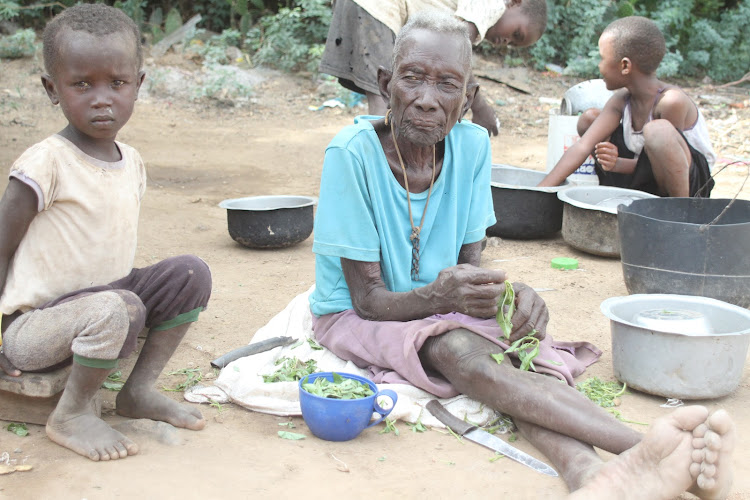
x=404 y=204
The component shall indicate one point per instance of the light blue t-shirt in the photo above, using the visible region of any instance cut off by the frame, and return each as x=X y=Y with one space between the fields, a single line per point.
x=363 y=214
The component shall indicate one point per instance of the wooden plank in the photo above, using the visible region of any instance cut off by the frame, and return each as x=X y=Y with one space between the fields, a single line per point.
x=514 y=78
x=30 y=410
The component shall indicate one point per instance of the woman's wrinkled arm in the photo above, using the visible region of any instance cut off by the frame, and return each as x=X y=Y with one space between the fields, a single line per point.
x=464 y=288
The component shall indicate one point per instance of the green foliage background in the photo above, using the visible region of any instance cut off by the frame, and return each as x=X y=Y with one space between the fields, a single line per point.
x=704 y=37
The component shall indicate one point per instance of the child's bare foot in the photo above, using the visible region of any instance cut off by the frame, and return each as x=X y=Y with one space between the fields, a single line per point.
x=148 y=403
x=88 y=435
x=671 y=460
x=713 y=443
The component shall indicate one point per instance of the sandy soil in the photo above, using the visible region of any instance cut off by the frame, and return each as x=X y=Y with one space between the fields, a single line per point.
x=201 y=153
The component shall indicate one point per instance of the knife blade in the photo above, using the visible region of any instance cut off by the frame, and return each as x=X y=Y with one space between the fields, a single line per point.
x=477 y=435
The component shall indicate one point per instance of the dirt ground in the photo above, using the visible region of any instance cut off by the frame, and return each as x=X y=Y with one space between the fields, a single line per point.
x=199 y=153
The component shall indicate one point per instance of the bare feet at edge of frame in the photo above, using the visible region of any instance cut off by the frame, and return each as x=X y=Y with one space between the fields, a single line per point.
x=687 y=450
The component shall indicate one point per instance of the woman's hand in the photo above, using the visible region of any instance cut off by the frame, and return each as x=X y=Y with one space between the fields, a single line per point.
x=531 y=313
x=468 y=289
x=606 y=154
x=8 y=367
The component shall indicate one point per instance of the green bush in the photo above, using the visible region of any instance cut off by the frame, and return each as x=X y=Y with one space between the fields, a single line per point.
x=293 y=38
x=704 y=37
x=20 y=44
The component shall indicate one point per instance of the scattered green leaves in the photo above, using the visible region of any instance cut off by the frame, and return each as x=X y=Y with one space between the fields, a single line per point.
x=417 y=426
x=192 y=377
x=313 y=344
x=390 y=426
x=291 y=435
x=18 y=429
x=291 y=370
x=504 y=315
x=605 y=394
x=289 y=425
x=339 y=388
x=114 y=381
x=497 y=457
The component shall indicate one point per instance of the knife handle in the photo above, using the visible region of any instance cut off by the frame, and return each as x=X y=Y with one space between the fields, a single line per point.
x=456 y=424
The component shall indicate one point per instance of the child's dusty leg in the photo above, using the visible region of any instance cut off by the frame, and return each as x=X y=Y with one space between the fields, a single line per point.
x=74 y=425
x=464 y=359
x=713 y=444
x=576 y=462
x=669 y=156
x=139 y=399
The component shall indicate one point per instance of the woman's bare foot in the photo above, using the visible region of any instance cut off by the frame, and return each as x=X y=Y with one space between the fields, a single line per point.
x=713 y=443
x=148 y=403
x=88 y=435
x=671 y=460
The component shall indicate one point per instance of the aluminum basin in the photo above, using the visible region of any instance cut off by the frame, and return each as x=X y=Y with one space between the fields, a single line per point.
x=671 y=361
x=590 y=217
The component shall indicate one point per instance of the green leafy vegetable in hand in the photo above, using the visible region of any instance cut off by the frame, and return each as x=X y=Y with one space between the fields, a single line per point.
x=340 y=388
x=291 y=370
x=504 y=316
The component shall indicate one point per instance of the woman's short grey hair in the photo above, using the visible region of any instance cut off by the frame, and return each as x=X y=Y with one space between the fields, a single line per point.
x=438 y=22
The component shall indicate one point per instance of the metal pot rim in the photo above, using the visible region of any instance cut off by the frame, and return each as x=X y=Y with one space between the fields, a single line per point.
x=269 y=202
x=550 y=189
x=567 y=196
x=607 y=306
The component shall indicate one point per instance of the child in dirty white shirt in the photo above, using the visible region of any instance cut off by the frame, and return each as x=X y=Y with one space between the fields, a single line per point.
x=69 y=219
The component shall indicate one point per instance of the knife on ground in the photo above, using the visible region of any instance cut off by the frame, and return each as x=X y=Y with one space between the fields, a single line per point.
x=474 y=433
x=248 y=350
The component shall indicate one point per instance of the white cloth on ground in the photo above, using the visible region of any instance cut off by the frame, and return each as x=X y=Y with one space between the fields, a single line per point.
x=242 y=380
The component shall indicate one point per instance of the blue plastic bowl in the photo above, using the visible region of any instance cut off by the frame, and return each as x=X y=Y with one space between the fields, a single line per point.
x=341 y=419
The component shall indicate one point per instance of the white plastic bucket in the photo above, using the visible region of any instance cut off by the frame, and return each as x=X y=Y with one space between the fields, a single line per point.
x=561 y=135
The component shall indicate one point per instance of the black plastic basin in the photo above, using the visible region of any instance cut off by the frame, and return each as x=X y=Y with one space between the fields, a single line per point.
x=678 y=246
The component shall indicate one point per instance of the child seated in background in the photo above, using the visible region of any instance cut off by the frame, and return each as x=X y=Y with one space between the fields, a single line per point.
x=69 y=219
x=650 y=136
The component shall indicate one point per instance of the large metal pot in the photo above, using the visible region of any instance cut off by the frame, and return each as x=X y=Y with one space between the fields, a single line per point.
x=269 y=221
x=683 y=364
x=523 y=210
x=590 y=217
x=671 y=245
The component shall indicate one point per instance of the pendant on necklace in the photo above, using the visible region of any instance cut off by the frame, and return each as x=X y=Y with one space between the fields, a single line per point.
x=415 y=253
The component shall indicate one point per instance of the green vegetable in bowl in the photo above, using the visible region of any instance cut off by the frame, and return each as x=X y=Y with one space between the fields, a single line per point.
x=340 y=388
